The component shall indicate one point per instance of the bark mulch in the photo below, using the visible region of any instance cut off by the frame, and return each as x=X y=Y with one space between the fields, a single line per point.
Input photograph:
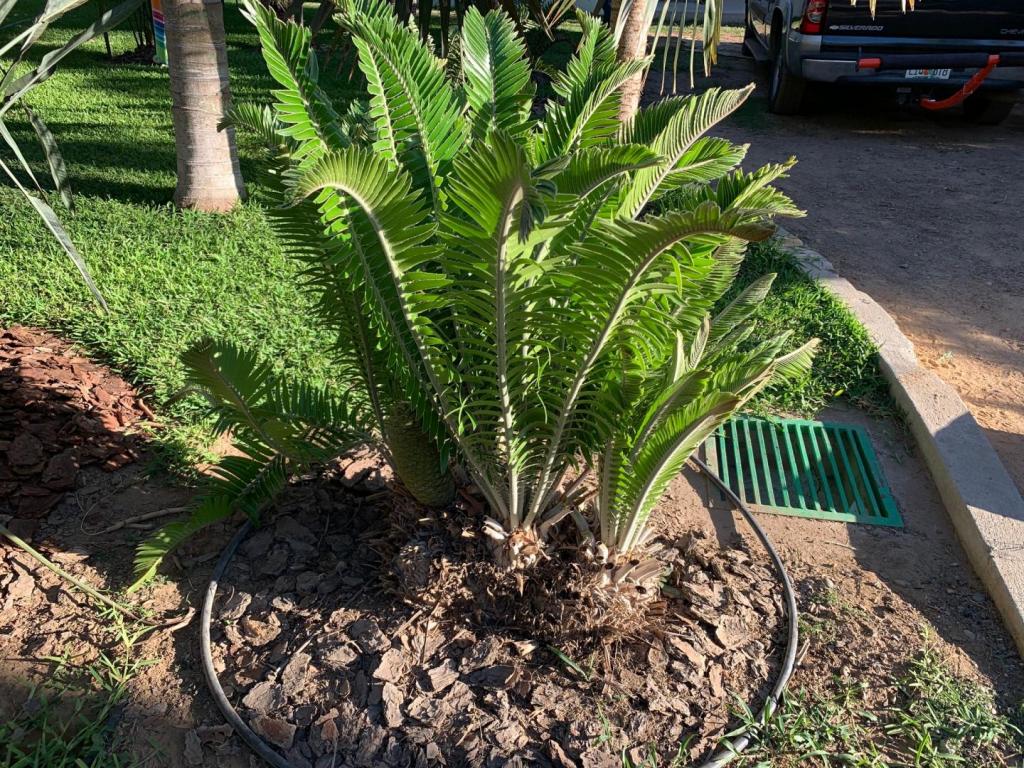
x=357 y=630
x=59 y=412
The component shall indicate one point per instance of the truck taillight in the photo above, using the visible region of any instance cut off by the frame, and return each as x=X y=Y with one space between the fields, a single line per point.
x=814 y=16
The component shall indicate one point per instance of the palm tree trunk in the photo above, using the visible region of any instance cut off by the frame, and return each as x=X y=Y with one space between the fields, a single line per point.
x=633 y=45
x=208 y=175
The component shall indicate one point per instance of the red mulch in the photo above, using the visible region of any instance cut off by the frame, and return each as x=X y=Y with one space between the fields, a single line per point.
x=59 y=412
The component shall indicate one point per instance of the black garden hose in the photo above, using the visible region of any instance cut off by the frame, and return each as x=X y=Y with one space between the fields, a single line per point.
x=721 y=757
x=258 y=745
x=743 y=738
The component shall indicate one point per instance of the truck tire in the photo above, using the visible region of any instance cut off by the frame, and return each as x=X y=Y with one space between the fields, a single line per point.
x=785 y=90
x=989 y=109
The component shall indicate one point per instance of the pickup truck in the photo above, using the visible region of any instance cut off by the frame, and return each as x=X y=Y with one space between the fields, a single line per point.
x=941 y=54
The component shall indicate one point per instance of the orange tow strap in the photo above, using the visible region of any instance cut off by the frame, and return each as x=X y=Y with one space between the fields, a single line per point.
x=969 y=87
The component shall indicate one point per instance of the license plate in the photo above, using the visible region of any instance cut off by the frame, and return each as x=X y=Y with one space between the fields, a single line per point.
x=928 y=74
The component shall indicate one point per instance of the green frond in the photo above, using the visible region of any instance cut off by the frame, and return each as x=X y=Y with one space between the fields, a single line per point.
x=153 y=550
x=237 y=484
x=662 y=455
x=750 y=192
x=233 y=380
x=649 y=121
x=249 y=482
x=740 y=309
x=708 y=160
x=609 y=269
x=594 y=58
x=415 y=109
x=277 y=426
x=797 y=364
x=499 y=91
x=590 y=168
x=685 y=126
x=258 y=120
x=588 y=116
x=388 y=228
x=494 y=194
x=307 y=114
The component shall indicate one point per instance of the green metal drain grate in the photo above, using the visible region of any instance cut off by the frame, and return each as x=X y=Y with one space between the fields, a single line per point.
x=803 y=468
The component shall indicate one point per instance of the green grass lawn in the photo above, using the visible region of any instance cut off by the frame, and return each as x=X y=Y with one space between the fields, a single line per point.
x=169 y=277
x=173 y=277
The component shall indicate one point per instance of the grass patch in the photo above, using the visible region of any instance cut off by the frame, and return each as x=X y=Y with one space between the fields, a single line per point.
x=170 y=277
x=68 y=721
x=938 y=721
x=946 y=720
x=846 y=364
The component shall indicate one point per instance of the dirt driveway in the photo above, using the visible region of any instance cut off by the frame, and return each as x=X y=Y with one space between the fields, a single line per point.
x=922 y=212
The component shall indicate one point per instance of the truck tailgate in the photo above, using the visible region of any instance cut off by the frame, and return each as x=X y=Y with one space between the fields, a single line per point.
x=981 y=20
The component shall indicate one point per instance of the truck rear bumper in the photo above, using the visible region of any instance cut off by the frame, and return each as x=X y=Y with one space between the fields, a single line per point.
x=832 y=59
x=845 y=71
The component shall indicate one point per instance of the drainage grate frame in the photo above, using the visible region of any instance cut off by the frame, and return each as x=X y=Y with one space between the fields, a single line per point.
x=802 y=468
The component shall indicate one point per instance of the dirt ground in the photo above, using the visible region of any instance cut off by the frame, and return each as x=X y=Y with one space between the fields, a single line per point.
x=897 y=583
x=920 y=571
x=922 y=212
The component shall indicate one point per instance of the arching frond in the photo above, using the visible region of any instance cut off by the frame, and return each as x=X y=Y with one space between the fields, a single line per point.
x=301 y=106
x=588 y=116
x=415 y=109
x=590 y=168
x=276 y=426
x=741 y=308
x=686 y=125
x=258 y=120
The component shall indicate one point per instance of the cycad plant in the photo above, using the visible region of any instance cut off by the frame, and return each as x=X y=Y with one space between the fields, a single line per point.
x=499 y=280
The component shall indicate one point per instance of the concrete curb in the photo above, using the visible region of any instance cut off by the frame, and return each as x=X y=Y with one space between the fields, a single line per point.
x=986 y=508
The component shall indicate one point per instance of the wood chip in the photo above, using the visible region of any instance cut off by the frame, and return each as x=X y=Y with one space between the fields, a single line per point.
x=392 y=699
x=443 y=676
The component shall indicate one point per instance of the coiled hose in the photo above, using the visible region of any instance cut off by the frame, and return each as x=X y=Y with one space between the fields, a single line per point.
x=721 y=757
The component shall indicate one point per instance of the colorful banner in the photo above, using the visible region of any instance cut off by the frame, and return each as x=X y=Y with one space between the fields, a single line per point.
x=159 y=34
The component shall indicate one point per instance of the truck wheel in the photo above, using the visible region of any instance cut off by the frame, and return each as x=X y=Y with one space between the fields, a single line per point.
x=785 y=90
x=989 y=109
